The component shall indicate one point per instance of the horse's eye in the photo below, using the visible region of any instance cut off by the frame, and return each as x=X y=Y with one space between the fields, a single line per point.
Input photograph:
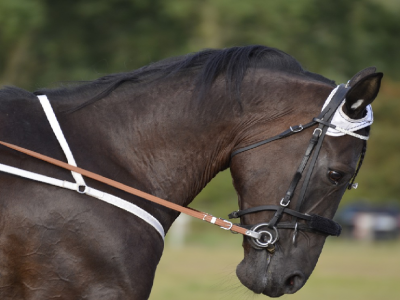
x=334 y=176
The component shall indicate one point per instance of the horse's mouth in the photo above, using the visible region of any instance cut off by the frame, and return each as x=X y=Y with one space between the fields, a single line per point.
x=252 y=270
x=257 y=273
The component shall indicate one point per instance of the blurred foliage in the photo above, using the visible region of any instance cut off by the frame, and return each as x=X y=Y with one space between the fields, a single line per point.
x=45 y=42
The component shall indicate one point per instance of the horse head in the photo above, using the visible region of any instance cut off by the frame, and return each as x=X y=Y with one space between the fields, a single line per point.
x=264 y=173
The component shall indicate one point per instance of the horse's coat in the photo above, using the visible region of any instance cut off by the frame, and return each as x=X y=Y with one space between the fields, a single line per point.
x=166 y=129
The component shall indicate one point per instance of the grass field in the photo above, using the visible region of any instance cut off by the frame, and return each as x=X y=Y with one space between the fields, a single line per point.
x=205 y=269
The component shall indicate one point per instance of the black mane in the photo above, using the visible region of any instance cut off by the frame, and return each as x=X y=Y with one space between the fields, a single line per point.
x=209 y=64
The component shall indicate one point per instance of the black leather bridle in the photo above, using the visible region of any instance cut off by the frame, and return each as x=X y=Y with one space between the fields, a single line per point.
x=313 y=223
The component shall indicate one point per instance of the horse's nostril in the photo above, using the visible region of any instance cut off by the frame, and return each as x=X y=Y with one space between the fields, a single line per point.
x=294 y=282
x=290 y=281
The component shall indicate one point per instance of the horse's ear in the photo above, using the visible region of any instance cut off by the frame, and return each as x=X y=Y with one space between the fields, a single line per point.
x=361 y=74
x=361 y=94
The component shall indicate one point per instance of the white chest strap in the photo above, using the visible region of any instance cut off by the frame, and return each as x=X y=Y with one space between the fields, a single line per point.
x=80 y=185
x=51 y=117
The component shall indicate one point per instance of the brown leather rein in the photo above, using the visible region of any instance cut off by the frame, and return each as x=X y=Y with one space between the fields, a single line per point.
x=224 y=224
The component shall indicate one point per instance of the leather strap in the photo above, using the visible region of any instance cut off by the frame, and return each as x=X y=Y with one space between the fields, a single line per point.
x=284 y=134
x=359 y=136
x=312 y=151
x=191 y=212
x=239 y=213
x=315 y=224
x=326 y=115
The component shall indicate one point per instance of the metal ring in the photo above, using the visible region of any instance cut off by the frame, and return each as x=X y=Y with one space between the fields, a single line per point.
x=264 y=244
x=78 y=189
x=271 y=240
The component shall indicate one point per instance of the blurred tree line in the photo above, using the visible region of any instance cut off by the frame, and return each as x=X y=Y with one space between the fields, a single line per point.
x=45 y=42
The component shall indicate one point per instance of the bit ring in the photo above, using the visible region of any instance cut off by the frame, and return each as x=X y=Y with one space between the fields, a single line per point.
x=271 y=240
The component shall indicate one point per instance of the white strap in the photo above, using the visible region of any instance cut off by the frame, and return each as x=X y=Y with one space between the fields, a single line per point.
x=130 y=207
x=359 y=136
x=51 y=117
x=38 y=177
x=113 y=200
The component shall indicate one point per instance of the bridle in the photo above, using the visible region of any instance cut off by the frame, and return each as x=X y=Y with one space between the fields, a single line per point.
x=313 y=223
x=263 y=235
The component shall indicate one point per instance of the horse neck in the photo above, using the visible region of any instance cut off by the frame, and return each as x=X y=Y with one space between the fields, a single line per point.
x=158 y=138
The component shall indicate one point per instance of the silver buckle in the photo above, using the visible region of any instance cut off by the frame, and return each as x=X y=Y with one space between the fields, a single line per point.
x=214 y=219
x=297 y=130
x=284 y=205
x=229 y=223
x=320 y=131
x=353 y=186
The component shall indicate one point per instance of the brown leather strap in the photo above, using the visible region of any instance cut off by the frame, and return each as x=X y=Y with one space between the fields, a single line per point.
x=189 y=211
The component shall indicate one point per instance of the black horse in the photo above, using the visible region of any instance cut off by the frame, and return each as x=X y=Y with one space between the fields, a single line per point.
x=167 y=129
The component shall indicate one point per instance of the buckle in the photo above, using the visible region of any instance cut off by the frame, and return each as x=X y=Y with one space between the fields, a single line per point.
x=320 y=131
x=284 y=204
x=227 y=222
x=297 y=128
x=353 y=186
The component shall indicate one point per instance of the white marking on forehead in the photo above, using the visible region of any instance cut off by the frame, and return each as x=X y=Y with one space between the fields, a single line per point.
x=357 y=104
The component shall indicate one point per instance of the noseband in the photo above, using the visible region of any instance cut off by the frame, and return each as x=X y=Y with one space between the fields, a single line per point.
x=314 y=223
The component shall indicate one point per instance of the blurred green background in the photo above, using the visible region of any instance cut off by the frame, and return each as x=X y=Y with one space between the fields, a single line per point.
x=44 y=43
